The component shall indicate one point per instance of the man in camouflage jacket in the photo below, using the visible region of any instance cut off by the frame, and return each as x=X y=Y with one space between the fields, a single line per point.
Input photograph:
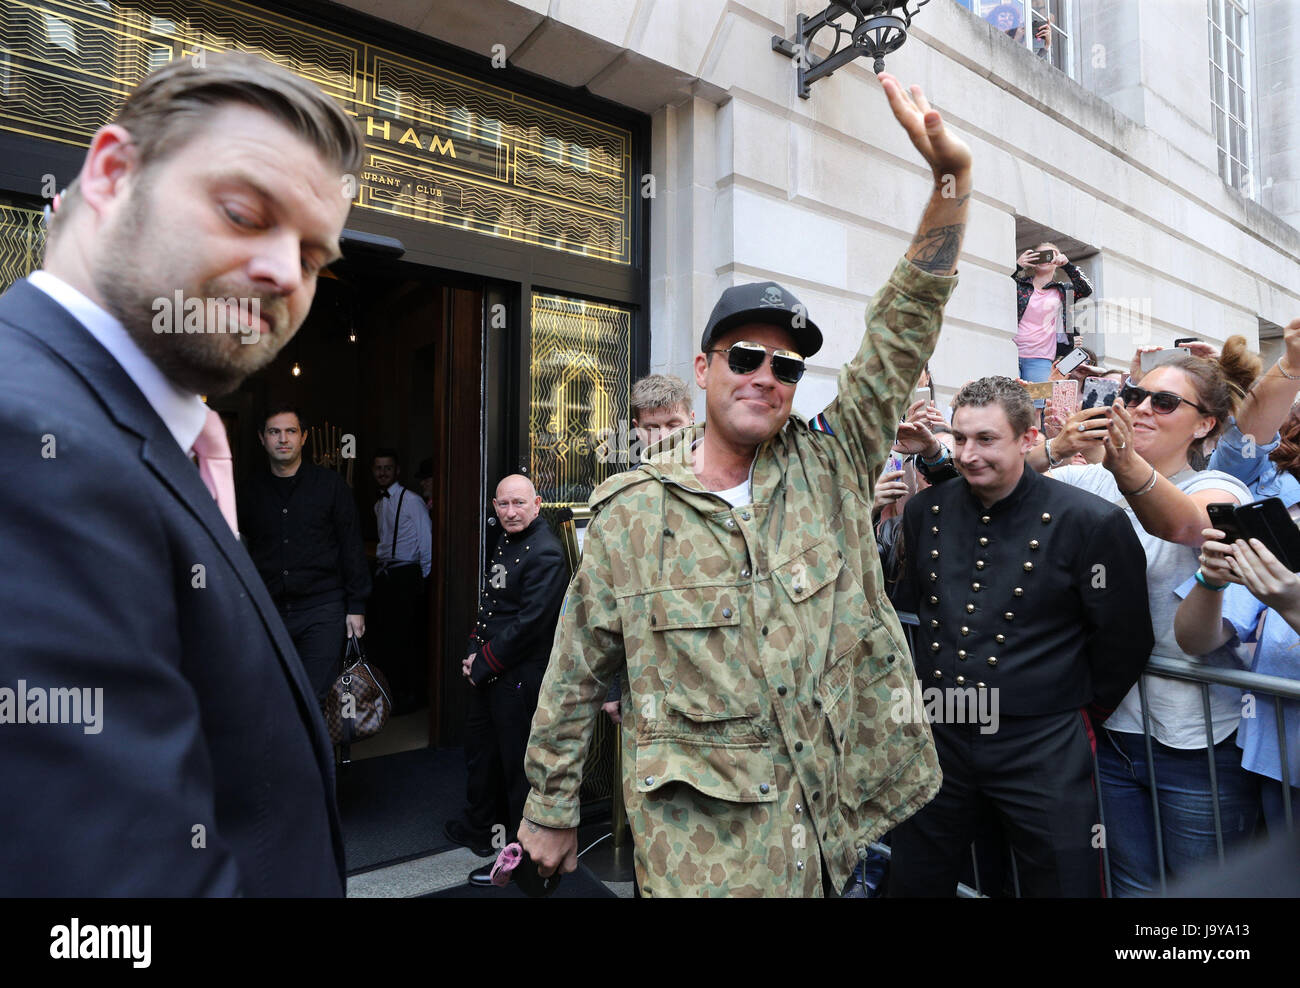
x=740 y=588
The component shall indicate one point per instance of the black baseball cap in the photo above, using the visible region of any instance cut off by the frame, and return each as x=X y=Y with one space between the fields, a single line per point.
x=765 y=302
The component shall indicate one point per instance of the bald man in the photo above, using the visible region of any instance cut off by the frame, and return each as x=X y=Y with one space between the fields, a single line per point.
x=523 y=587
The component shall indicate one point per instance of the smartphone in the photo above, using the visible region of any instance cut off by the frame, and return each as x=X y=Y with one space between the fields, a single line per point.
x=1186 y=339
x=1223 y=517
x=922 y=394
x=1072 y=360
x=1154 y=358
x=909 y=475
x=1043 y=257
x=1268 y=521
x=1099 y=392
x=1065 y=397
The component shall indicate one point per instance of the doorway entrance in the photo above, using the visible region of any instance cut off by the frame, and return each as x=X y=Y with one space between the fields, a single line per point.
x=391 y=355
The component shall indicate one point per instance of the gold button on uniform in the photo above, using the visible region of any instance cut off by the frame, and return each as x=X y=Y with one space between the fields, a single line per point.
x=934 y=623
x=934 y=529
x=979 y=564
x=1033 y=543
x=993 y=660
x=1009 y=616
x=934 y=509
x=1000 y=639
x=938 y=674
x=934 y=599
x=961 y=653
x=986 y=519
x=975 y=587
x=1046 y=517
x=1029 y=567
x=961 y=680
x=934 y=646
x=1018 y=592
x=984 y=540
x=934 y=553
x=970 y=608
x=965 y=631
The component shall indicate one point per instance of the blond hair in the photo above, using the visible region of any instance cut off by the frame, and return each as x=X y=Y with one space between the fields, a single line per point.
x=660 y=391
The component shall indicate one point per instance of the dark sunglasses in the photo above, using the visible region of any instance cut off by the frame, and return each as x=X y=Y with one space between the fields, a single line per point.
x=745 y=357
x=1162 y=402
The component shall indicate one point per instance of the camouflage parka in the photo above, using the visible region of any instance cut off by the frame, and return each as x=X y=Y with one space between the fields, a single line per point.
x=761 y=654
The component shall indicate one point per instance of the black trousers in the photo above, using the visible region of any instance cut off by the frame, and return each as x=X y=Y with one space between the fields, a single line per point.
x=395 y=634
x=319 y=634
x=1036 y=773
x=498 y=720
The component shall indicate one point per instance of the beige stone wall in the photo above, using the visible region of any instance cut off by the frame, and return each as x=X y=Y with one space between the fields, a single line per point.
x=823 y=195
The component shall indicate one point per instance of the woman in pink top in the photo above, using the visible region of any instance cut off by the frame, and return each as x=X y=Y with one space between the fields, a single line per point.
x=1040 y=302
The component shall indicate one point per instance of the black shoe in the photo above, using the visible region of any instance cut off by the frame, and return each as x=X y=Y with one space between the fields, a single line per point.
x=458 y=833
x=481 y=877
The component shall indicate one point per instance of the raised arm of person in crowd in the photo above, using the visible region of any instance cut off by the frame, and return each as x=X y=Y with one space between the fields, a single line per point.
x=1070 y=439
x=1199 y=626
x=915 y=436
x=904 y=317
x=1078 y=280
x=1269 y=401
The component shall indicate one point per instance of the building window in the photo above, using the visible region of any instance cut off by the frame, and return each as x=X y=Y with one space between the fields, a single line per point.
x=1230 y=91
x=1054 y=44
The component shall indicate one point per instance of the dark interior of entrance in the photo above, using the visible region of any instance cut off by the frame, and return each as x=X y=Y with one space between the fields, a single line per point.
x=390 y=356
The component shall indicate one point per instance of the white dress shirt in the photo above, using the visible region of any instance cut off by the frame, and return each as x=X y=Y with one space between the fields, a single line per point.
x=182 y=412
x=414 y=533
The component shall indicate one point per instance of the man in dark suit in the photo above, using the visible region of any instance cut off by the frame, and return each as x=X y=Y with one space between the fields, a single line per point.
x=523 y=588
x=181 y=260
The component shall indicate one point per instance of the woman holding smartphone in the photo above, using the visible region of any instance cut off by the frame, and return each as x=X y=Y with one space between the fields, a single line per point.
x=1265 y=590
x=1040 y=308
x=1147 y=437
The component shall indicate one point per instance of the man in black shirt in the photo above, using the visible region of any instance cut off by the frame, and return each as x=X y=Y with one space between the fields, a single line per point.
x=1034 y=619
x=300 y=525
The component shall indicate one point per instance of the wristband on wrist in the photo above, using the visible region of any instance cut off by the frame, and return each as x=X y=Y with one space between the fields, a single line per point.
x=1216 y=587
x=943 y=455
x=1145 y=487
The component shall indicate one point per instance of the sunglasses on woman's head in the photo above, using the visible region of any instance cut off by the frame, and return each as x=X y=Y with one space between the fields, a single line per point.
x=1162 y=402
x=746 y=357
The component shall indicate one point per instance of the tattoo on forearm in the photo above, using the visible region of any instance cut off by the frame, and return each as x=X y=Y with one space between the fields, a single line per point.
x=935 y=250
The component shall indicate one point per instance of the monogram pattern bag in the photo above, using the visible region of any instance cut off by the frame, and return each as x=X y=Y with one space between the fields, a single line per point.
x=359 y=703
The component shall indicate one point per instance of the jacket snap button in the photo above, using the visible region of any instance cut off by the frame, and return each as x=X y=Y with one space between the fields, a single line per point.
x=649 y=780
x=763 y=788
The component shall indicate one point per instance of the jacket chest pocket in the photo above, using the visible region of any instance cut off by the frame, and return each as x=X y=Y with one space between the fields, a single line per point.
x=695 y=639
x=827 y=599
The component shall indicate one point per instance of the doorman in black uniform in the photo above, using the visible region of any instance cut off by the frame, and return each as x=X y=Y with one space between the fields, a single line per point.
x=1034 y=623
x=523 y=588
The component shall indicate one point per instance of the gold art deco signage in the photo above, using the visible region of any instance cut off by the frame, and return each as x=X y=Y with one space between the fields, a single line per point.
x=440 y=147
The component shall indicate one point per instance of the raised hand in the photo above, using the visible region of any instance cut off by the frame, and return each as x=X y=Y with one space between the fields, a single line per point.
x=946 y=153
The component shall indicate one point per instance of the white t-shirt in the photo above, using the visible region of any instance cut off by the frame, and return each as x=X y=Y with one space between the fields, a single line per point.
x=739 y=495
x=1174 y=706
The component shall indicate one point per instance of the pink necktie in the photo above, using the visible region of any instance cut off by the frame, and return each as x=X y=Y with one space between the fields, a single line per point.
x=215 y=467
